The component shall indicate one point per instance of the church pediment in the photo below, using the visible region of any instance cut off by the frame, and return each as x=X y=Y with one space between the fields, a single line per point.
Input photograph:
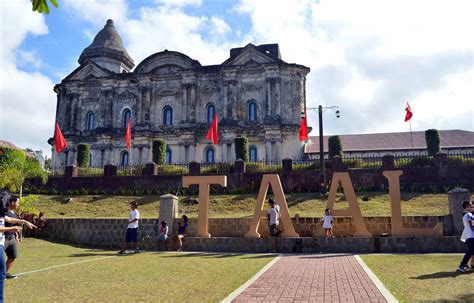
x=127 y=95
x=250 y=56
x=89 y=73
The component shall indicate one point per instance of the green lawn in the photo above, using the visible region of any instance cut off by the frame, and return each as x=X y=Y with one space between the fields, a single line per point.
x=423 y=278
x=108 y=277
x=232 y=206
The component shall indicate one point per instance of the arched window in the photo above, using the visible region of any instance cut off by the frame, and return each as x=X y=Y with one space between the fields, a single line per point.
x=252 y=112
x=127 y=114
x=210 y=112
x=124 y=158
x=169 y=155
x=253 y=154
x=90 y=121
x=167 y=116
x=210 y=155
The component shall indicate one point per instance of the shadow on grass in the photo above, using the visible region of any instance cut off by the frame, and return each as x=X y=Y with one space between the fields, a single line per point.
x=214 y=255
x=329 y=255
x=442 y=274
x=91 y=254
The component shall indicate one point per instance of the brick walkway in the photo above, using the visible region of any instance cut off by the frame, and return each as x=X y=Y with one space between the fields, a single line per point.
x=313 y=278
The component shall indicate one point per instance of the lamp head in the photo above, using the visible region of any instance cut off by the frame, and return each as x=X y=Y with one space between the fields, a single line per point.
x=338 y=113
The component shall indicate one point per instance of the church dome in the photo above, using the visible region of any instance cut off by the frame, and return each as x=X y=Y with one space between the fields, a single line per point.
x=107 y=44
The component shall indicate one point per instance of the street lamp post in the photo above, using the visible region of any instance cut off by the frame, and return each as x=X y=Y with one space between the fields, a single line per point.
x=320 y=108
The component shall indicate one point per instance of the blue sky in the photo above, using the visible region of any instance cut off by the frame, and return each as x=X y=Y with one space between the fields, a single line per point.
x=368 y=57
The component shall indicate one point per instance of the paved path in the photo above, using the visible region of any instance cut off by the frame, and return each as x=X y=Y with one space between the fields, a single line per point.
x=313 y=278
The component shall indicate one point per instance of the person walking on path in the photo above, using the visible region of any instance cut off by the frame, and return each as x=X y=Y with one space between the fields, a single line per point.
x=467 y=234
x=131 y=238
x=327 y=220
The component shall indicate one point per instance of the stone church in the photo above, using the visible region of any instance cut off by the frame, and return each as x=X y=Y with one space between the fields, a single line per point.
x=172 y=97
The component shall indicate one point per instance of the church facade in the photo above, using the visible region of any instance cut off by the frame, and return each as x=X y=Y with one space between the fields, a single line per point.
x=172 y=97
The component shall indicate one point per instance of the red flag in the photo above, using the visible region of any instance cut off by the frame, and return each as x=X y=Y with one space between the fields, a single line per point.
x=128 y=135
x=212 y=133
x=59 y=141
x=408 y=114
x=303 y=127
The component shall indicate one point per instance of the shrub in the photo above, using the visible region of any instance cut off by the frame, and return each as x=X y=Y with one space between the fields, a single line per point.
x=83 y=155
x=335 y=146
x=432 y=141
x=241 y=148
x=421 y=161
x=159 y=152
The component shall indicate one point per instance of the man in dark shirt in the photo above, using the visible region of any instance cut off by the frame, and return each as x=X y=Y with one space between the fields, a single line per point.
x=11 y=238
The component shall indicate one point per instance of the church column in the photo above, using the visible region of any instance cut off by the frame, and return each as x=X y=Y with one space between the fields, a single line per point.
x=224 y=111
x=139 y=107
x=269 y=98
x=182 y=156
x=232 y=151
x=224 y=152
x=193 y=102
x=277 y=97
x=184 y=103
x=147 y=107
x=268 y=151
x=192 y=152
x=278 y=151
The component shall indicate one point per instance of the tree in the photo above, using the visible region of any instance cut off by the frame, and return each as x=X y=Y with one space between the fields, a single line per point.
x=159 y=152
x=432 y=141
x=335 y=146
x=15 y=166
x=41 y=6
x=241 y=148
x=83 y=155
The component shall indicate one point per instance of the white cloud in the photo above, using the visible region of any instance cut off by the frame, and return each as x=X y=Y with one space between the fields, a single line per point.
x=370 y=57
x=177 y=3
x=97 y=12
x=160 y=28
x=27 y=102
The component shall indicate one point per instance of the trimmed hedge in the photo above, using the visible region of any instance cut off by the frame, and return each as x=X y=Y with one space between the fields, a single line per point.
x=83 y=155
x=159 y=152
x=432 y=141
x=335 y=146
x=242 y=148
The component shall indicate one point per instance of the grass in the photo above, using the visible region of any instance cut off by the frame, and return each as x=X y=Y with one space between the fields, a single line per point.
x=427 y=278
x=170 y=277
x=235 y=206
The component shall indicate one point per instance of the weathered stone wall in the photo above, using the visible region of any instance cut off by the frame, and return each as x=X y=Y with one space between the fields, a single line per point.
x=312 y=227
x=449 y=244
x=111 y=232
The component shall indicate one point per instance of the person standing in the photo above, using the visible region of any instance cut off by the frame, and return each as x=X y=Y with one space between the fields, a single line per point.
x=4 y=199
x=273 y=216
x=131 y=238
x=467 y=234
x=11 y=238
x=327 y=223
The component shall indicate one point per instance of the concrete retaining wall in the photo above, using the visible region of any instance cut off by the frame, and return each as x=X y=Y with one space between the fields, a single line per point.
x=228 y=235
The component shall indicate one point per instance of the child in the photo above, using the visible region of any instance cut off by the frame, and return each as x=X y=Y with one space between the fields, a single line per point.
x=163 y=233
x=327 y=220
x=132 y=229
x=182 y=225
x=467 y=234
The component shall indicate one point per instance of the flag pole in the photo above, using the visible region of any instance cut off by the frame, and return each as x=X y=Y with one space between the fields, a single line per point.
x=411 y=135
